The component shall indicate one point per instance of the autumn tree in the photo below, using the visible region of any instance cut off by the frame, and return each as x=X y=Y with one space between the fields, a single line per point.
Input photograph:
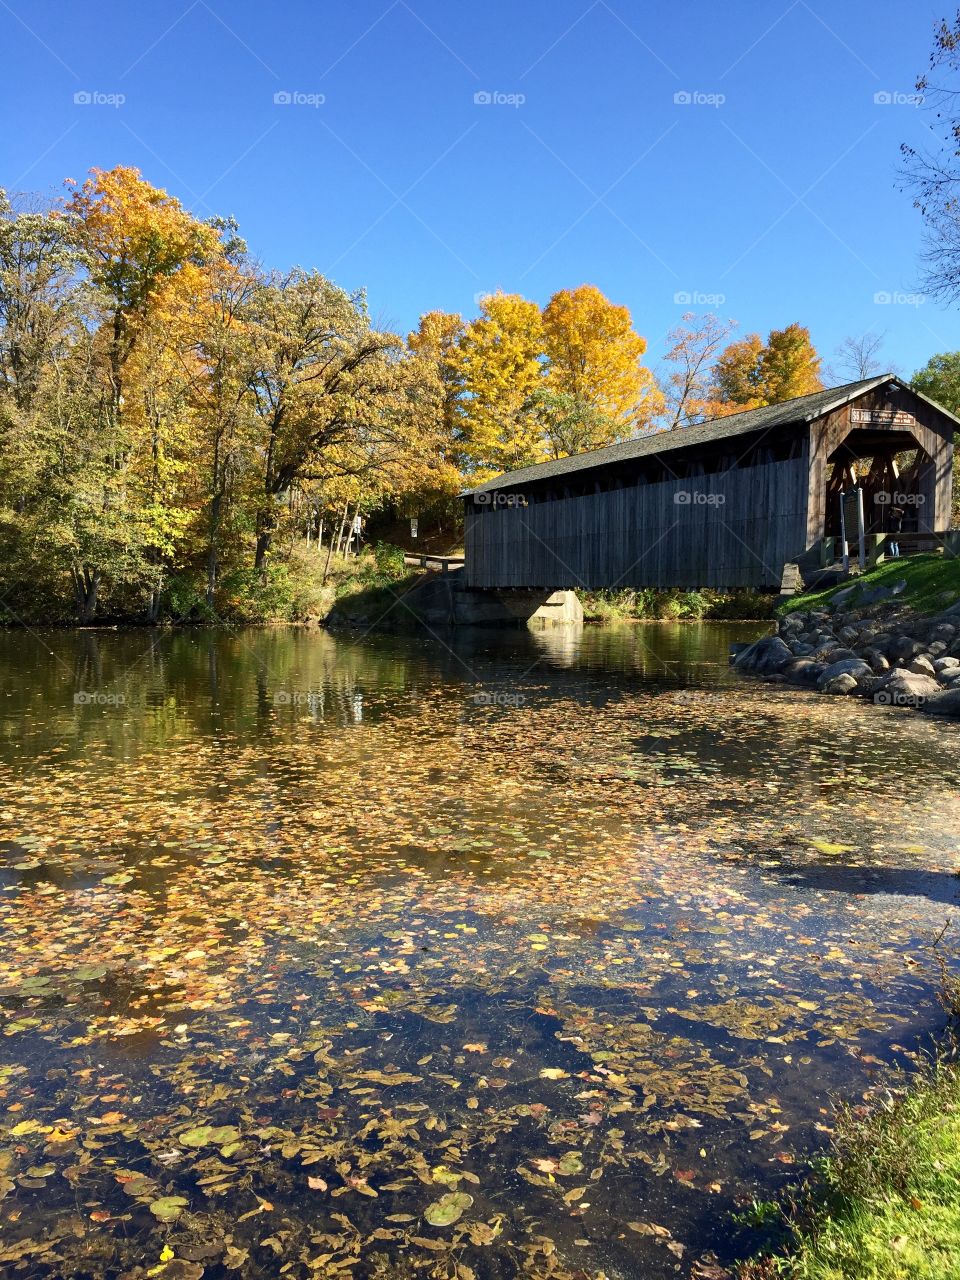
x=333 y=396
x=688 y=386
x=751 y=373
x=596 y=359
x=499 y=361
x=737 y=375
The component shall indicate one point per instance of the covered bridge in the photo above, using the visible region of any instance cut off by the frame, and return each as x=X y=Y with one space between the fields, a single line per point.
x=724 y=504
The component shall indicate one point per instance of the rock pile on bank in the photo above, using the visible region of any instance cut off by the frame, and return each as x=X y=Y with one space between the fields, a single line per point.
x=863 y=643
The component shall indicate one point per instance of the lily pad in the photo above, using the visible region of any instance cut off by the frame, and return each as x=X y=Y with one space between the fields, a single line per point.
x=168 y=1208
x=448 y=1209
x=206 y=1135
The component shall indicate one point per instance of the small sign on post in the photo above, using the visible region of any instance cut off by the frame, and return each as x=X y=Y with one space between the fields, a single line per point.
x=852 y=526
x=413 y=528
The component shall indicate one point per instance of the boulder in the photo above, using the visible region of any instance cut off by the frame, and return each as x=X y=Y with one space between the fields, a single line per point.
x=921 y=665
x=902 y=648
x=804 y=671
x=898 y=588
x=848 y=635
x=945 y=703
x=950 y=677
x=765 y=656
x=873 y=595
x=842 y=597
x=943 y=631
x=903 y=688
x=801 y=650
x=830 y=653
x=945 y=664
x=855 y=668
x=791 y=622
x=842 y=683
x=875 y=660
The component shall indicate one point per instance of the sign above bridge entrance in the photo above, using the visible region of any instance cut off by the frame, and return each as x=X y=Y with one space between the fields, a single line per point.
x=882 y=417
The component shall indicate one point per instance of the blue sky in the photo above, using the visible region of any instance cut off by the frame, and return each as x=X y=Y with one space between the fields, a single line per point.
x=769 y=197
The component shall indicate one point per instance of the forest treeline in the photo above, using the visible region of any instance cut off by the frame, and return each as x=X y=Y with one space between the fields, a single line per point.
x=178 y=422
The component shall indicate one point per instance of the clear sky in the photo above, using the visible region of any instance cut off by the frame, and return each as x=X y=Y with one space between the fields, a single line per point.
x=770 y=195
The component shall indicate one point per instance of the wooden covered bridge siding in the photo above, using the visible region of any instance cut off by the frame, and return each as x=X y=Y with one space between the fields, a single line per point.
x=757 y=485
x=640 y=536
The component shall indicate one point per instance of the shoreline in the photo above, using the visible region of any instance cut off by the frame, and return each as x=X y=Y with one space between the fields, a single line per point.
x=869 y=639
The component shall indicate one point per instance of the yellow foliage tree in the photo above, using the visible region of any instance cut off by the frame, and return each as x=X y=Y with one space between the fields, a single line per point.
x=500 y=366
x=752 y=373
x=596 y=356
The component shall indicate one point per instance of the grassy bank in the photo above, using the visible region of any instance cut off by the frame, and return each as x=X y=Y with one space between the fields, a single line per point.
x=672 y=606
x=885 y=1204
x=933 y=581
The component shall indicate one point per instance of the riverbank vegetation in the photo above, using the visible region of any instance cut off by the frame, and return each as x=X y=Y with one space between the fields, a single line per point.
x=930 y=582
x=649 y=604
x=885 y=1203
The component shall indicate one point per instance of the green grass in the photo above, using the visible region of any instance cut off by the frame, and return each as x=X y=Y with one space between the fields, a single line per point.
x=928 y=578
x=885 y=1204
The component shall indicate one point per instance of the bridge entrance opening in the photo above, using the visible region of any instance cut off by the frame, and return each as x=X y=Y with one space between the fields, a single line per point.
x=889 y=467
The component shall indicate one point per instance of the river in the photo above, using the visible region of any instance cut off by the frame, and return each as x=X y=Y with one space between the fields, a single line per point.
x=514 y=953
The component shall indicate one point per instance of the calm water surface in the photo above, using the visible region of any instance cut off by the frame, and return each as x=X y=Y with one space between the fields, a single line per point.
x=523 y=954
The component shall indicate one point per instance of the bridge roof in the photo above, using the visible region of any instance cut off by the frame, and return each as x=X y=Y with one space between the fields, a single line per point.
x=802 y=409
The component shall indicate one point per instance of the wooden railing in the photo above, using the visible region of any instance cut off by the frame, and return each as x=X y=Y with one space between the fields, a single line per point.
x=436 y=564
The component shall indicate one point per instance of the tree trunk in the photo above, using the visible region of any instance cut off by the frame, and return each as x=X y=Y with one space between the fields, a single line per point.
x=86 y=587
x=334 y=543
